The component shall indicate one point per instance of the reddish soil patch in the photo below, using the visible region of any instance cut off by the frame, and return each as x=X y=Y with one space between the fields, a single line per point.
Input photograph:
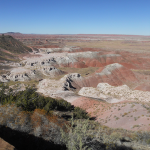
x=143 y=87
x=126 y=115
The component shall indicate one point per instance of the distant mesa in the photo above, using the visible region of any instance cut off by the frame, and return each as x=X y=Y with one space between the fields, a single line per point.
x=13 y=33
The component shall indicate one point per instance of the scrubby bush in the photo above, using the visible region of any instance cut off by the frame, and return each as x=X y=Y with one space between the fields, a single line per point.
x=76 y=138
x=80 y=136
x=79 y=113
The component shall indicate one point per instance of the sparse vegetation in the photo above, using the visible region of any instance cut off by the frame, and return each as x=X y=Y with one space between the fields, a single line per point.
x=81 y=135
x=29 y=100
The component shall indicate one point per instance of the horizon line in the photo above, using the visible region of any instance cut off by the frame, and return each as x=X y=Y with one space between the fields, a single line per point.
x=75 y=34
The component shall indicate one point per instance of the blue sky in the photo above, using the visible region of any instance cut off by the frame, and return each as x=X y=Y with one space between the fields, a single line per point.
x=75 y=16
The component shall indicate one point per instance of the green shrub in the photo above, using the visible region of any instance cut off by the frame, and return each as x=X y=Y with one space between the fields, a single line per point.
x=79 y=113
x=64 y=105
x=29 y=100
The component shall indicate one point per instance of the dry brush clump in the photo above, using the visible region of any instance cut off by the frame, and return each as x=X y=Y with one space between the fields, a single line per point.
x=86 y=134
x=47 y=126
x=39 y=122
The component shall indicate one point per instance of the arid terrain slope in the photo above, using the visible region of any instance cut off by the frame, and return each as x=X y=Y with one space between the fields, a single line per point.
x=107 y=75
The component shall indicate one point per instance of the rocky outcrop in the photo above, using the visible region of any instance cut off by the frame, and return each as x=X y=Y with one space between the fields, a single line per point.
x=3 y=78
x=37 y=63
x=62 y=88
x=51 y=71
x=73 y=82
x=111 y=93
x=18 y=74
x=18 y=77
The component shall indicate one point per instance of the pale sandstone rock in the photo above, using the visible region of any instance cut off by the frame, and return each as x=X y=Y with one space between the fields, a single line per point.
x=106 y=91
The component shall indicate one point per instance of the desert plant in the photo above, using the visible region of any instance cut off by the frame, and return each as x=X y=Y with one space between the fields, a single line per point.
x=76 y=137
x=79 y=113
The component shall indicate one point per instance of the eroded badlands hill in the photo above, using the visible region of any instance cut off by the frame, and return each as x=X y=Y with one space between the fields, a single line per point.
x=10 y=48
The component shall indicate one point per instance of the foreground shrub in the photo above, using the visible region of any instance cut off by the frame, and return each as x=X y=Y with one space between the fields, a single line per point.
x=81 y=137
x=79 y=113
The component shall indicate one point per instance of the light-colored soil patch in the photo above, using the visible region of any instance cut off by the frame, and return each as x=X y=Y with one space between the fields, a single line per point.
x=41 y=56
x=19 y=70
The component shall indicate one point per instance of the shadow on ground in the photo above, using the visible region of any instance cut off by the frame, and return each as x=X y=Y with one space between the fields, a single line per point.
x=25 y=141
